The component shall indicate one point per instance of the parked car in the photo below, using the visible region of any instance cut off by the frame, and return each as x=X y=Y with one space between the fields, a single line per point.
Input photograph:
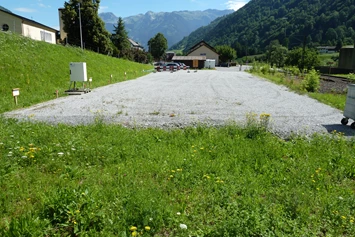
x=159 y=64
x=175 y=66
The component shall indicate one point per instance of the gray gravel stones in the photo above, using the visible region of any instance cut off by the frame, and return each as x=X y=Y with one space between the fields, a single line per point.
x=179 y=99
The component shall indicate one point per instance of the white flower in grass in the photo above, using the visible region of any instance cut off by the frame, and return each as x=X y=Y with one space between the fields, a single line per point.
x=60 y=153
x=178 y=213
x=23 y=157
x=183 y=226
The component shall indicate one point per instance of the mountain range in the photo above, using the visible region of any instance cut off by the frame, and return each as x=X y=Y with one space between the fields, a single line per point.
x=173 y=25
x=292 y=22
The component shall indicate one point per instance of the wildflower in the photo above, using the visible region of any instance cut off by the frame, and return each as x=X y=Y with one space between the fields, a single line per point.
x=343 y=217
x=202 y=148
x=178 y=213
x=134 y=233
x=23 y=157
x=171 y=176
x=147 y=228
x=173 y=171
x=22 y=149
x=60 y=153
x=352 y=221
x=133 y=228
x=183 y=226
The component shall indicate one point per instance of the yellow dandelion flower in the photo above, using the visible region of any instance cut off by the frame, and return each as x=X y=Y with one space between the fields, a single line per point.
x=133 y=228
x=134 y=233
x=352 y=221
x=147 y=228
x=74 y=222
x=22 y=149
x=32 y=156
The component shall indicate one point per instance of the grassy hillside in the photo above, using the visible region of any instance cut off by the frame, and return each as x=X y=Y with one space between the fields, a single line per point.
x=39 y=69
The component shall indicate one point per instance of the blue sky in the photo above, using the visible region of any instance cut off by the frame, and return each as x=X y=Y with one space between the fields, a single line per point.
x=46 y=11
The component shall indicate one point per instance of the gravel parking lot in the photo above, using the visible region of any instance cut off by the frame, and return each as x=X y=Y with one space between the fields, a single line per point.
x=180 y=99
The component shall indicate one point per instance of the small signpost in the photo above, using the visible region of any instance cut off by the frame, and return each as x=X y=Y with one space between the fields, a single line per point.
x=15 y=93
x=330 y=66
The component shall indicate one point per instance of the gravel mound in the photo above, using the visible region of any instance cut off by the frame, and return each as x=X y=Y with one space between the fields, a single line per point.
x=188 y=98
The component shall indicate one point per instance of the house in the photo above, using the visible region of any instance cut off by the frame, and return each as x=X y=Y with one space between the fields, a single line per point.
x=191 y=61
x=205 y=50
x=326 y=49
x=26 y=27
x=135 y=45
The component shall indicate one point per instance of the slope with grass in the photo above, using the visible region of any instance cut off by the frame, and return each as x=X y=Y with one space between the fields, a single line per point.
x=39 y=69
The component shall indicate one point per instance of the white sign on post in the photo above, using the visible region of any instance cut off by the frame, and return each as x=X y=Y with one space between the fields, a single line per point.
x=16 y=92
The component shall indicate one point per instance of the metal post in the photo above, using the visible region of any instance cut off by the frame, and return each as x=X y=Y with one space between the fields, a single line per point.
x=81 y=34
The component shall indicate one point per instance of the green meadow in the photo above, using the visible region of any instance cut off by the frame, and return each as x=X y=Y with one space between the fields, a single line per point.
x=108 y=180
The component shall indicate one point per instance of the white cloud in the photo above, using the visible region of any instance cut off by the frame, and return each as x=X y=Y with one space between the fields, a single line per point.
x=23 y=9
x=236 y=4
x=42 y=5
x=102 y=8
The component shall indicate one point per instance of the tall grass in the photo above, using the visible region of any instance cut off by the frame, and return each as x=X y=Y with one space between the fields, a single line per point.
x=105 y=180
x=293 y=79
x=39 y=69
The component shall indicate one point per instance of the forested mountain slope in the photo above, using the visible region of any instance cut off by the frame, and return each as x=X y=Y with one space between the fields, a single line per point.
x=292 y=22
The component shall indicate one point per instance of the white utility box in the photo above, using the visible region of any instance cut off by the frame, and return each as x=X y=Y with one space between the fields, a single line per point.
x=78 y=72
x=349 y=111
x=210 y=63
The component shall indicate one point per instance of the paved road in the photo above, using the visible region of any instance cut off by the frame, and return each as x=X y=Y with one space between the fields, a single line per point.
x=181 y=99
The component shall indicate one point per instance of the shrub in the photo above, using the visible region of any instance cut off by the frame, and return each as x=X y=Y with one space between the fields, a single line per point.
x=311 y=81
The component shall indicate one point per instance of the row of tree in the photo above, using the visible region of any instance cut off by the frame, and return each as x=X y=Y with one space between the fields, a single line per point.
x=85 y=28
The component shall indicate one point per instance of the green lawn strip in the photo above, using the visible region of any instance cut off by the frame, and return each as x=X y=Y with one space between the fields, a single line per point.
x=103 y=179
x=40 y=69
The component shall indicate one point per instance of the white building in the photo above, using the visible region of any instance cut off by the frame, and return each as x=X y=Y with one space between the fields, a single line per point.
x=26 y=27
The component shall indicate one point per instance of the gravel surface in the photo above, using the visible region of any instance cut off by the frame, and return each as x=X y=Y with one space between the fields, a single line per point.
x=179 y=99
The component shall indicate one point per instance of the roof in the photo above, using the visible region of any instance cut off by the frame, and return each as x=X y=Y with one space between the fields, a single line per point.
x=28 y=20
x=134 y=43
x=326 y=47
x=200 y=44
x=176 y=58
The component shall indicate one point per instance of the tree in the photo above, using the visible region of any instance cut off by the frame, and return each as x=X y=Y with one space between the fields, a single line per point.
x=303 y=58
x=94 y=34
x=226 y=53
x=120 y=37
x=157 y=46
x=276 y=53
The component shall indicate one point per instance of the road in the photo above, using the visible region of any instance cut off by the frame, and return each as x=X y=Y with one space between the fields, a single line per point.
x=179 y=99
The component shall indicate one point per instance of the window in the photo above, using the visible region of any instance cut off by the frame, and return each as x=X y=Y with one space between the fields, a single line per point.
x=5 y=27
x=45 y=36
x=202 y=54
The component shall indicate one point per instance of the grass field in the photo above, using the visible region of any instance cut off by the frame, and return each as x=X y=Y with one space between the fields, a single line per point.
x=107 y=180
x=39 y=69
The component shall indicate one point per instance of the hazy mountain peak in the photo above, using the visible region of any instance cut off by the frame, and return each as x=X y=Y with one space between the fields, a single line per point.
x=173 y=25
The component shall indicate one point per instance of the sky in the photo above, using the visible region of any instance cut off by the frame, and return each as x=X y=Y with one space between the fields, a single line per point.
x=46 y=11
